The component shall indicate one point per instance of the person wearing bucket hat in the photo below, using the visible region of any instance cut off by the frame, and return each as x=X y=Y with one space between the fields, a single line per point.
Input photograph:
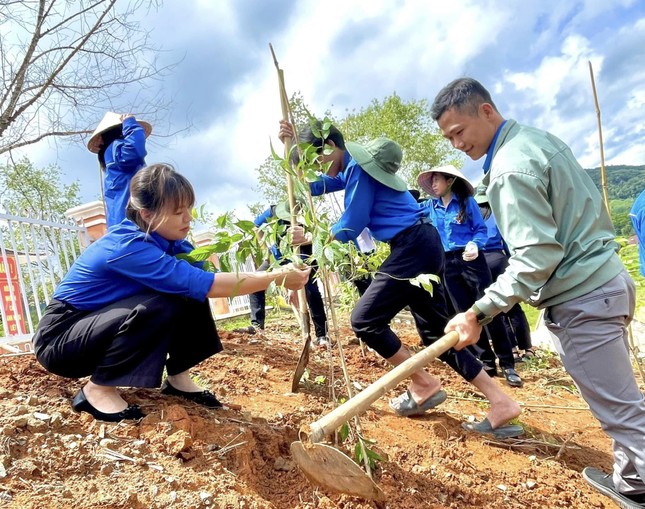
x=376 y=200
x=496 y=253
x=130 y=308
x=463 y=233
x=563 y=260
x=120 y=144
x=281 y=213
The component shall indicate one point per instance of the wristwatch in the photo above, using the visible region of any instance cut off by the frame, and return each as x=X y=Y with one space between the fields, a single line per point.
x=482 y=318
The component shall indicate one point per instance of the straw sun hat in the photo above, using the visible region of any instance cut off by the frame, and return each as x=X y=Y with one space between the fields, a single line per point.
x=110 y=120
x=425 y=179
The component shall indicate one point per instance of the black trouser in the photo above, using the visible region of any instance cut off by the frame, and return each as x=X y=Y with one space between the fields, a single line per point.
x=466 y=282
x=257 y=302
x=517 y=326
x=127 y=343
x=414 y=251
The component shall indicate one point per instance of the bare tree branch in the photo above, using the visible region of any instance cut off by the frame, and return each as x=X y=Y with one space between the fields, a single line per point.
x=63 y=64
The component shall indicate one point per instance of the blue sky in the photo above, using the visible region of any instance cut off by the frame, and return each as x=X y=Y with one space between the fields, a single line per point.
x=532 y=55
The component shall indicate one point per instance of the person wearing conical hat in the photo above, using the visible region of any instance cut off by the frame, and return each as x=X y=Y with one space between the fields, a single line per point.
x=120 y=144
x=563 y=260
x=463 y=233
x=496 y=253
x=378 y=199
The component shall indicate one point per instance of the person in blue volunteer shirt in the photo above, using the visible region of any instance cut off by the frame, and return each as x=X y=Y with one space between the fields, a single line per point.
x=377 y=199
x=257 y=300
x=463 y=233
x=496 y=254
x=120 y=143
x=129 y=308
x=637 y=215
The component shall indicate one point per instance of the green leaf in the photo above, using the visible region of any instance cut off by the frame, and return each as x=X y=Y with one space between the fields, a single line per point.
x=245 y=225
x=425 y=281
x=344 y=432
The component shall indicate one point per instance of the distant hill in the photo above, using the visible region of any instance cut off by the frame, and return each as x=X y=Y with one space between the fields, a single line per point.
x=623 y=182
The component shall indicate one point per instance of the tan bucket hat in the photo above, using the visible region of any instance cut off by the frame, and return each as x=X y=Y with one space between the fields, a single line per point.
x=424 y=178
x=110 y=120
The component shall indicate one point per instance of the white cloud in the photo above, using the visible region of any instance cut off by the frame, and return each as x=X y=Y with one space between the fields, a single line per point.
x=532 y=55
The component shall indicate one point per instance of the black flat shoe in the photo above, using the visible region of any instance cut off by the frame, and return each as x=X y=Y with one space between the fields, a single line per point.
x=205 y=398
x=80 y=404
x=512 y=378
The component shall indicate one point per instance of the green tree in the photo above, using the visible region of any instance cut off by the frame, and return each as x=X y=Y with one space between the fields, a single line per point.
x=620 y=217
x=409 y=124
x=36 y=190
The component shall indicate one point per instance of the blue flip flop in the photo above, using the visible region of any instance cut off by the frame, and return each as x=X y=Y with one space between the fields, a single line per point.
x=484 y=428
x=405 y=406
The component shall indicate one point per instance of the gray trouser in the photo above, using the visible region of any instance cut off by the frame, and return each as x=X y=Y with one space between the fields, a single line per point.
x=592 y=331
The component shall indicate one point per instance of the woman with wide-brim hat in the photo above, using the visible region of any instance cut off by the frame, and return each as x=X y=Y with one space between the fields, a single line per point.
x=463 y=233
x=377 y=198
x=120 y=143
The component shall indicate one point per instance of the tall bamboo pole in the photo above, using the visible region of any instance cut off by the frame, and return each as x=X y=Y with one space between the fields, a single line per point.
x=288 y=143
x=603 y=174
x=284 y=103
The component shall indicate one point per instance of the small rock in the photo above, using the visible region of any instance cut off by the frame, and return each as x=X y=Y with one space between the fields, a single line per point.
x=42 y=416
x=36 y=426
x=21 y=421
x=21 y=410
x=178 y=442
x=530 y=484
x=107 y=442
x=502 y=487
x=532 y=457
x=107 y=469
x=31 y=400
x=172 y=496
x=204 y=495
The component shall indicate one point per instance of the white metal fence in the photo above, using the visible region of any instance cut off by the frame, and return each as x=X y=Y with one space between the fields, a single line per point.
x=35 y=253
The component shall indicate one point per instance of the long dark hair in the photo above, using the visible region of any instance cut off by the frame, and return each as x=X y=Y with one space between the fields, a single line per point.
x=157 y=188
x=115 y=133
x=462 y=192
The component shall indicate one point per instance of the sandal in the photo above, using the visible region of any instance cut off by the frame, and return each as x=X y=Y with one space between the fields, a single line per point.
x=516 y=356
x=529 y=354
x=405 y=406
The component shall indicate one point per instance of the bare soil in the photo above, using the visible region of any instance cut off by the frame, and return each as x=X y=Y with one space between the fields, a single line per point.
x=182 y=455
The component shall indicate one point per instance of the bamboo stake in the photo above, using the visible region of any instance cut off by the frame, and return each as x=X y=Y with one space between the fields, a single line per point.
x=603 y=175
x=286 y=115
x=302 y=301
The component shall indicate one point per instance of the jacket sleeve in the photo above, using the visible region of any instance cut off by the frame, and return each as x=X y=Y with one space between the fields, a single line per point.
x=327 y=184
x=131 y=152
x=525 y=219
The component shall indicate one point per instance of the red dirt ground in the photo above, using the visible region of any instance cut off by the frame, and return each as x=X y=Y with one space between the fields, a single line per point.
x=185 y=456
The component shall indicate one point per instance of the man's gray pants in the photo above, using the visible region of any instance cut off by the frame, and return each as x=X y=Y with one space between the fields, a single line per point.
x=592 y=330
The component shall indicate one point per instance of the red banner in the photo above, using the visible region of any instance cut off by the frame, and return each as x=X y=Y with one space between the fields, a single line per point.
x=14 y=314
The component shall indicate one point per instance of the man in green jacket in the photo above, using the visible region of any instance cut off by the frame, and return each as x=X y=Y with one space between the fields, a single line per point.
x=564 y=260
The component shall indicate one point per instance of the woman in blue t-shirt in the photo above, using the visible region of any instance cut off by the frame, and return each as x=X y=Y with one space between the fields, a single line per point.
x=455 y=214
x=128 y=307
x=120 y=143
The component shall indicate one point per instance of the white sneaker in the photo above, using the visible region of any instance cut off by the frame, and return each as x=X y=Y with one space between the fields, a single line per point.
x=322 y=342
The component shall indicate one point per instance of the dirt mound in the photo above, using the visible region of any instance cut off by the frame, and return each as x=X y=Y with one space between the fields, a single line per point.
x=185 y=456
